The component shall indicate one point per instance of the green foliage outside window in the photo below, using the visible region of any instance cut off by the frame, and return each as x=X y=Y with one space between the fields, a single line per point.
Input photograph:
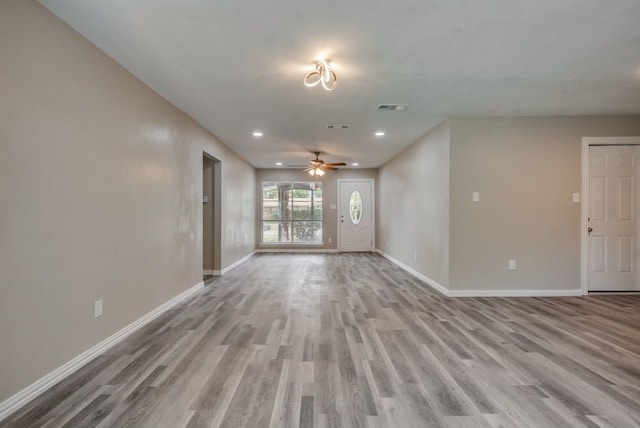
x=292 y=212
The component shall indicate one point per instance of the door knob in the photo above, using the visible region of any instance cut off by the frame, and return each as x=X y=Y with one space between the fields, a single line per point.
x=590 y=229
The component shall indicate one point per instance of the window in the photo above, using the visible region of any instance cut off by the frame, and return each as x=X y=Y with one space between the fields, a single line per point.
x=292 y=212
x=355 y=207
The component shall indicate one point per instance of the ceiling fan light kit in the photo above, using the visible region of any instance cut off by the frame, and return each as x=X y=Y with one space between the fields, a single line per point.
x=319 y=167
x=323 y=74
x=316 y=172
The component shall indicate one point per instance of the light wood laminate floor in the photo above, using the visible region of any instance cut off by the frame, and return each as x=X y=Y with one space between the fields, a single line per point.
x=351 y=340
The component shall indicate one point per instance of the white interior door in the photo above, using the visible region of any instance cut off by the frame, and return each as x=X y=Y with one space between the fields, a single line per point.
x=613 y=249
x=355 y=215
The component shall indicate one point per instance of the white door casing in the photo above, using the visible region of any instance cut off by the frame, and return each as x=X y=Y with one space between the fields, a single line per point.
x=356 y=220
x=611 y=208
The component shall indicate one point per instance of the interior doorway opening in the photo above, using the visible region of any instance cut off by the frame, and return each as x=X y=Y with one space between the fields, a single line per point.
x=211 y=216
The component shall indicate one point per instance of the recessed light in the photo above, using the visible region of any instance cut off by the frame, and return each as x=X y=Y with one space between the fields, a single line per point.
x=379 y=133
x=279 y=163
x=355 y=164
x=258 y=134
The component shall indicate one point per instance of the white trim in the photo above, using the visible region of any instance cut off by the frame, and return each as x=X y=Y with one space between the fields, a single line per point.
x=18 y=400
x=373 y=208
x=433 y=284
x=584 y=208
x=516 y=293
x=296 y=250
x=611 y=141
x=211 y=272
x=584 y=224
x=482 y=293
x=613 y=293
x=237 y=262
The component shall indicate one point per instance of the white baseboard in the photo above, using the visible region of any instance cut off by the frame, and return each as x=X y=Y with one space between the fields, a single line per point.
x=483 y=293
x=297 y=250
x=433 y=284
x=237 y=263
x=211 y=272
x=18 y=400
x=516 y=293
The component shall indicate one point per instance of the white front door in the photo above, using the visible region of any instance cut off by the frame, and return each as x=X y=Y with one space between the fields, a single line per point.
x=355 y=215
x=613 y=250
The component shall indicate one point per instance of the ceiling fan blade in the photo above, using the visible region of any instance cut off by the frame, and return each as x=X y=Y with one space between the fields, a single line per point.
x=328 y=167
x=336 y=164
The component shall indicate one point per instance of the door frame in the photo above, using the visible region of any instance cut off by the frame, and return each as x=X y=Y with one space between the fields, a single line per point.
x=216 y=220
x=584 y=206
x=373 y=209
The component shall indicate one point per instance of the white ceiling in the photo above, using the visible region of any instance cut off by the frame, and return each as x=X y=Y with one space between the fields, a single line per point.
x=237 y=66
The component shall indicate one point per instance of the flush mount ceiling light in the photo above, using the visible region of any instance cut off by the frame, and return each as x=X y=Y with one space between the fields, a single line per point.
x=379 y=133
x=258 y=134
x=323 y=74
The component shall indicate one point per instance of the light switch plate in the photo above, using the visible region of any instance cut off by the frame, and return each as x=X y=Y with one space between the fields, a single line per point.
x=512 y=265
x=97 y=309
x=476 y=197
x=576 y=197
x=332 y=207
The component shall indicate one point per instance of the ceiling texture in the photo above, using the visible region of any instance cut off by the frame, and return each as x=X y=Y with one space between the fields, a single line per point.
x=238 y=66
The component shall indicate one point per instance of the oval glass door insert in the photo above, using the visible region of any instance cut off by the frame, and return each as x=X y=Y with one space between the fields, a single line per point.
x=355 y=207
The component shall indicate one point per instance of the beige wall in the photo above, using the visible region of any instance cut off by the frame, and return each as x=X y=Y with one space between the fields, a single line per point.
x=239 y=204
x=100 y=196
x=329 y=197
x=526 y=170
x=413 y=225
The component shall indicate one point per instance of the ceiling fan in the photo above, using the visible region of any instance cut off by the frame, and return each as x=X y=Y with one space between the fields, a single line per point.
x=318 y=166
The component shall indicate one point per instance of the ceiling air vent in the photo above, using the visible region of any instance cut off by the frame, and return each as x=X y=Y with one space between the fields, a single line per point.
x=395 y=107
x=333 y=126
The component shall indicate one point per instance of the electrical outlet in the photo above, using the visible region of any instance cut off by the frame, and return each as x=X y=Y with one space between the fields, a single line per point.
x=512 y=265
x=97 y=309
x=329 y=240
x=415 y=255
